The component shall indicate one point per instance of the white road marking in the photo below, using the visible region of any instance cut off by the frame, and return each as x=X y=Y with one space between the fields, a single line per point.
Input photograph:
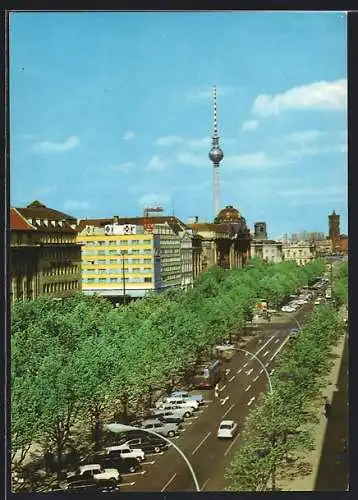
x=227 y=411
x=154 y=454
x=239 y=371
x=227 y=371
x=208 y=401
x=232 y=444
x=201 y=442
x=248 y=388
x=232 y=378
x=251 y=401
x=168 y=482
x=250 y=371
x=187 y=422
x=256 y=378
x=223 y=401
x=222 y=388
x=261 y=371
x=204 y=484
x=266 y=353
x=245 y=365
x=279 y=349
x=127 y=484
x=271 y=372
x=266 y=364
x=148 y=463
x=134 y=473
x=277 y=340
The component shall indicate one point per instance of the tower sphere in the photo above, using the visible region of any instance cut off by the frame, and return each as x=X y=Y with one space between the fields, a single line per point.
x=216 y=154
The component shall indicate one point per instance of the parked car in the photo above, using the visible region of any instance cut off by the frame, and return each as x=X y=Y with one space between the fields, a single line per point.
x=168 y=415
x=227 y=429
x=87 y=485
x=125 y=451
x=163 y=428
x=193 y=404
x=294 y=332
x=187 y=397
x=183 y=411
x=96 y=472
x=149 y=444
x=115 y=461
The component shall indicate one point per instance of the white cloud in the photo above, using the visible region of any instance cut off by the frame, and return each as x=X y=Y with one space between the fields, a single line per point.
x=56 y=147
x=302 y=136
x=193 y=160
x=76 y=205
x=199 y=143
x=315 y=96
x=153 y=199
x=124 y=167
x=168 y=140
x=156 y=163
x=259 y=160
x=129 y=135
x=250 y=125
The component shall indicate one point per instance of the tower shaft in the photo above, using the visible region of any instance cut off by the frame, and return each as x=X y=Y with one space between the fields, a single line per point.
x=216 y=155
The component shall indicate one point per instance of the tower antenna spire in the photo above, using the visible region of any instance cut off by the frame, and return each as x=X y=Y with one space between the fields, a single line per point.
x=216 y=155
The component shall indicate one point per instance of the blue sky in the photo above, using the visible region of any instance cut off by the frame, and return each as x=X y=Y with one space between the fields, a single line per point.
x=111 y=111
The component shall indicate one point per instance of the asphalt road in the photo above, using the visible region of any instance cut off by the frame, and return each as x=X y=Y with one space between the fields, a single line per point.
x=208 y=455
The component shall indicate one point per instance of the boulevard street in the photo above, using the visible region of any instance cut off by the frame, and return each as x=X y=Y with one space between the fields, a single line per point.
x=208 y=455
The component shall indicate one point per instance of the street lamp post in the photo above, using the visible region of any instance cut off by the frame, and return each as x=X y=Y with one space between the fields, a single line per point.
x=123 y=427
x=123 y=279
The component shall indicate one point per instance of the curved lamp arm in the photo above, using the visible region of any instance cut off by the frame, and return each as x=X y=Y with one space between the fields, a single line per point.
x=123 y=427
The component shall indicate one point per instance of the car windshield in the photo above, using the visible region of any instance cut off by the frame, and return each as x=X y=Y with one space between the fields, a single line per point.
x=225 y=426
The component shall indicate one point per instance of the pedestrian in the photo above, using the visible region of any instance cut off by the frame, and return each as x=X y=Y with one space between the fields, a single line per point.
x=327 y=408
x=216 y=391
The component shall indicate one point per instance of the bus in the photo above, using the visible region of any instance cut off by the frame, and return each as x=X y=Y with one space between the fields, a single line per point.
x=208 y=375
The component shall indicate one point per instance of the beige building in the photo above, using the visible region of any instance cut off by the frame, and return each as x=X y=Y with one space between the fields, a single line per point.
x=268 y=250
x=302 y=252
x=44 y=255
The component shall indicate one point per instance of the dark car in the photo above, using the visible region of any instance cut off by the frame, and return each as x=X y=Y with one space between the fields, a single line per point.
x=114 y=460
x=149 y=444
x=86 y=485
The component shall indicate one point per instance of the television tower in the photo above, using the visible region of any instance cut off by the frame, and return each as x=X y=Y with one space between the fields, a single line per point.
x=216 y=155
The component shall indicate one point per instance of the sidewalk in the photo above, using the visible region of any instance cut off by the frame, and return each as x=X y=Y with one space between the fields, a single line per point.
x=306 y=479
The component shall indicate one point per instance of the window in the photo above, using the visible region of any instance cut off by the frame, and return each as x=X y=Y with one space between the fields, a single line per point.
x=111 y=252
x=111 y=243
x=136 y=261
x=135 y=251
x=102 y=280
x=113 y=261
x=90 y=280
x=101 y=252
x=113 y=280
x=135 y=242
x=147 y=280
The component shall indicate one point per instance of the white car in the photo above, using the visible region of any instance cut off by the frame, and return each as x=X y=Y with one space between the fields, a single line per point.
x=171 y=400
x=178 y=410
x=126 y=452
x=227 y=429
x=187 y=397
x=97 y=472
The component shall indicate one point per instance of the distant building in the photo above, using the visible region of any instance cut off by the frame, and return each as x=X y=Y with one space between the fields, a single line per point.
x=226 y=241
x=260 y=232
x=334 y=230
x=323 y=247
x=44 y=255
x=302 y=252
x=124 y=256
x=268 y=250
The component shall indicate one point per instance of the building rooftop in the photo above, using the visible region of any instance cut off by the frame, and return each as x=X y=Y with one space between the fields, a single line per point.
x=18 y=222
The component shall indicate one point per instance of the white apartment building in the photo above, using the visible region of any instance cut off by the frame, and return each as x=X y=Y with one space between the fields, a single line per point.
x=302 y=251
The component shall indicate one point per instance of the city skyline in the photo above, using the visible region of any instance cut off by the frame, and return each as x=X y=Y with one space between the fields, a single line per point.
x=103 y=124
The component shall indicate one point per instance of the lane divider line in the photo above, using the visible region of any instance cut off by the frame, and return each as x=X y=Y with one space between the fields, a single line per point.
x=256 y=378
x=127 y=484
x=251 y=401
x=148 y=463
x=223 y=401
x=279 y=349
x=232 y=378
x=250 y=371
x=201 y=442
x=204 y=484
x=239 y=371
x=222 y=388
x=266 y=353
x=231 y=445
x=248 y=388
x=227 y=411
x=245 y=365
x=168 y=482
x=271 y=372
